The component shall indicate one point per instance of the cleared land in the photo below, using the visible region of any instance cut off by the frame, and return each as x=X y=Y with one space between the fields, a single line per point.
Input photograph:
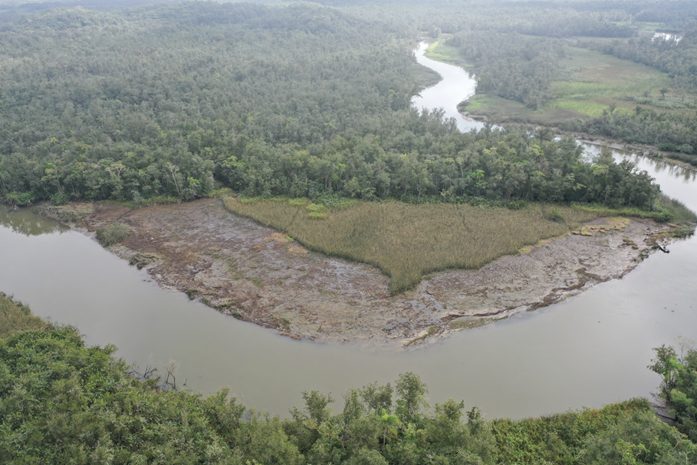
x=589 y=83
x=407 y=241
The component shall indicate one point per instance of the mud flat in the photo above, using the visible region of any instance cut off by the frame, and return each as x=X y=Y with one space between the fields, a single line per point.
x=262 y=276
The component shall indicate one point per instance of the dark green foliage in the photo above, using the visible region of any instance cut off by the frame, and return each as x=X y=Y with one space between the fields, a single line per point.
x=679 y=388
x=511 y=65
x=627 y=433
x=663 y=130
x=639 y=439
x=301 y=101
x=64 y=403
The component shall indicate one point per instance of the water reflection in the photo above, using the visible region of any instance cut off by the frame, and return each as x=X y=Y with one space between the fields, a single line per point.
x=25 y=221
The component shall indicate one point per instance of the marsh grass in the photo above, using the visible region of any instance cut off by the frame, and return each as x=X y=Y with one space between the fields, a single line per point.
x=665 y=210
x=589 y=83
x=407 y=241
x=16 y=317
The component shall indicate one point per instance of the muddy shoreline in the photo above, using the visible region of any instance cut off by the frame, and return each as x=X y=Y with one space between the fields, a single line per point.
x=259 y=275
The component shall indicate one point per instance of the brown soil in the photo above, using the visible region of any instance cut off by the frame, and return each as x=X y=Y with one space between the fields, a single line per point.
x=259 y=275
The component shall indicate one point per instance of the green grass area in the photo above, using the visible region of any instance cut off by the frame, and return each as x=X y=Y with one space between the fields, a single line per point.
x=407 y=241
x=592 y=81
x=439 y=50
x=589 y=83
x=16 y=317
x=666 y=210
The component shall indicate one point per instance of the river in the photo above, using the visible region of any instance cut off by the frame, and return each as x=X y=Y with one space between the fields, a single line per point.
x=587 y=351
x=456 y=85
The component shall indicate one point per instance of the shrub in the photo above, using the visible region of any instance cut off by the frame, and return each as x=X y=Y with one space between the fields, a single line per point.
x=113 y=234
x=19 y=199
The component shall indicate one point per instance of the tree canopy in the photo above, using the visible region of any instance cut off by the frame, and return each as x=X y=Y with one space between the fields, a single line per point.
x=302 y=101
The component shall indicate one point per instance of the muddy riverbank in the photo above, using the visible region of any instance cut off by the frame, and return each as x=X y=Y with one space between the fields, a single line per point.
x=259 y=275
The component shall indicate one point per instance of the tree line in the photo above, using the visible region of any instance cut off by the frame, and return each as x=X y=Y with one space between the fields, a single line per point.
x=646 y=126
x=298 y=101
x=511 y=65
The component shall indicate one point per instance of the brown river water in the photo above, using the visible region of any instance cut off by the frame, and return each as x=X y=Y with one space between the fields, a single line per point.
x=587 y=351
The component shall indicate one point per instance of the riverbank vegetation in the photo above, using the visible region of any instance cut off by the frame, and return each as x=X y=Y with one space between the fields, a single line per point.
x=407 y=240
x=679 y=387
x=15 y=317
x=623 y=71
x=298 y=101
x=64 y=402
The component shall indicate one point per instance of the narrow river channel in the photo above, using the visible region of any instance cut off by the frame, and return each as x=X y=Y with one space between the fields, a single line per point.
x=587 y=351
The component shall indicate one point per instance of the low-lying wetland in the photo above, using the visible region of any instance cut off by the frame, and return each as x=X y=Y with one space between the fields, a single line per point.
x=518 y=260
x=408 y=241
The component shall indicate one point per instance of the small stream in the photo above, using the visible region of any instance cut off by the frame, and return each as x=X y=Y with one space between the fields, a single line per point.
x=587 y=351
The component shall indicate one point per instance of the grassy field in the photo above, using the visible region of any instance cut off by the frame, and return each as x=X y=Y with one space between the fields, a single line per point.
x=16 y=317
x=439 y=50
x=407 y=241
x=589 y=83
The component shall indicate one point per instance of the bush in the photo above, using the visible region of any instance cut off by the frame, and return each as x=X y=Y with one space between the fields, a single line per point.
x=19 y=199
x=59 y=198
x=113 y=234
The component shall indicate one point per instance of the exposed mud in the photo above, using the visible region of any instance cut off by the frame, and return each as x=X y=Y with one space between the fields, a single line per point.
x=259 y=275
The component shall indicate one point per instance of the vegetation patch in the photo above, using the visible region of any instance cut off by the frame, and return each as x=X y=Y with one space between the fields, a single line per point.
x=113 y=234
x=440 y=50
x=16 y=317
x=406 y=240
x=586 y=84
x=64 y=402
x=666 y=210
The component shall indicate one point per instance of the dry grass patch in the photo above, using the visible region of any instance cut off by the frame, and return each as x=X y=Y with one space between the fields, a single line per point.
x=407 y=241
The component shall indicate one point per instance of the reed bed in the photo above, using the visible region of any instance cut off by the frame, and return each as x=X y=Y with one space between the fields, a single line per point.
x=407 y=241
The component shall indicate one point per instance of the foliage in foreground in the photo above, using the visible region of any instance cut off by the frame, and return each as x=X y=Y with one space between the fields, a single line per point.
x=16 y=317
x=64 y=403
x=679 y=388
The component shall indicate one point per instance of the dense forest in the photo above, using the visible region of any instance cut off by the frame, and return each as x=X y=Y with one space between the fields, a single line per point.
x=511 y=65
x=63 y=402
x=301 y=101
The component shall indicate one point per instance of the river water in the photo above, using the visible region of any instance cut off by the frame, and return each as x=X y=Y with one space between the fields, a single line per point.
x=587 y=351
x=456 y=85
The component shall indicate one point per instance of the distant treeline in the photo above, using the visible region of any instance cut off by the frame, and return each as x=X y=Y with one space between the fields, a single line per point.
x=677 y=59
x=515 y=50
x=662 y=130
x=511 y=65
x=297 y=101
